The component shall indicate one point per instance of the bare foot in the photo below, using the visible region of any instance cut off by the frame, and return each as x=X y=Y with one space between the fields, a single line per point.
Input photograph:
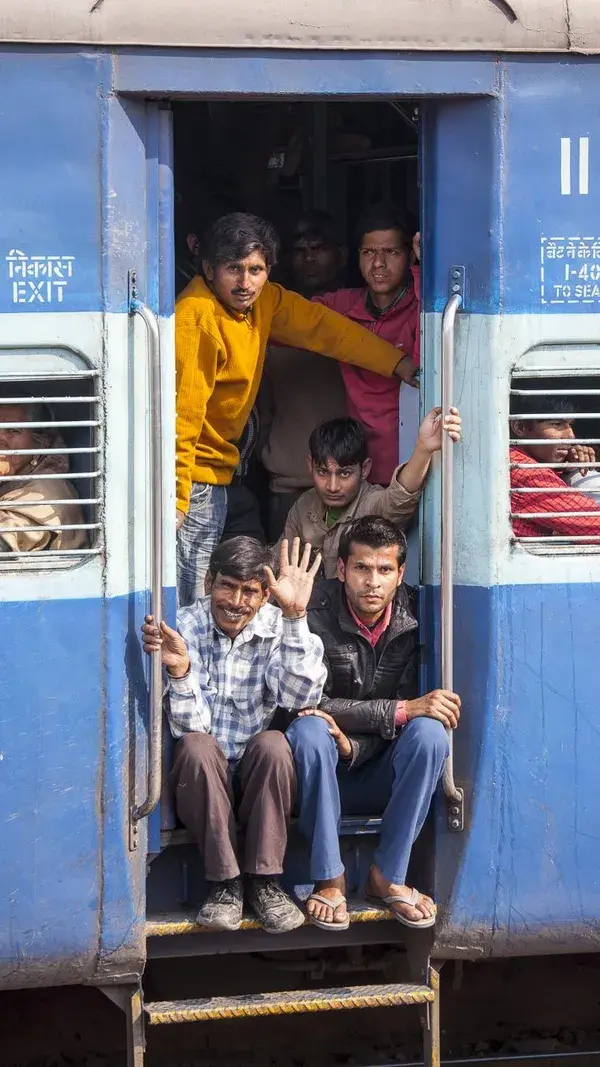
x=378 y=886
x=331 y=889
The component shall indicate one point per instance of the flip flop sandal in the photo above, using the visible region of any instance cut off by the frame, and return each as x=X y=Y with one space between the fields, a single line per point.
x=335 y=904
x=402 y=898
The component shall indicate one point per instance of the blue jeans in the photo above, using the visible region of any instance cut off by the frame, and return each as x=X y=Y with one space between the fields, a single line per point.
x=399 y=782
x=197 y=538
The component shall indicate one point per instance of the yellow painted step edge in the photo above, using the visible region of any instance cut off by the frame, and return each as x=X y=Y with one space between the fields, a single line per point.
x=165 y=925
x=293 y=1003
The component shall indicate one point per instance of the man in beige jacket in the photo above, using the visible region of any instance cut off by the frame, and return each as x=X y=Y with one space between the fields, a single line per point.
x=339 y=468
x=36 y=513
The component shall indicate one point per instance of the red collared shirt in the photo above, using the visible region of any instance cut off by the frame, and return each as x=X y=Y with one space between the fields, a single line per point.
x=551 y=504
x=372 y=634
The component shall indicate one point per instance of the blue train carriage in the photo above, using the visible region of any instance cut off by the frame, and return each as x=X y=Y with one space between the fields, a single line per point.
x=509 y=149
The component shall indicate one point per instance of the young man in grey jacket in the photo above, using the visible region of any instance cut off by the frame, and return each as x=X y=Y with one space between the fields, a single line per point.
x=372 y=743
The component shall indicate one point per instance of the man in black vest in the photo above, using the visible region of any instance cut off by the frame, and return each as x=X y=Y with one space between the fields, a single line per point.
x=373 y=744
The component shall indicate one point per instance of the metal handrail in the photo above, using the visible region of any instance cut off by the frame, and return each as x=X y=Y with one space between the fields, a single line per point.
x=451 y=790
x=136 y=307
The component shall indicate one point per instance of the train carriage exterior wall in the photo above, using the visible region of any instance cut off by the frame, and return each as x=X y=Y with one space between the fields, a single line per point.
x=86 y=174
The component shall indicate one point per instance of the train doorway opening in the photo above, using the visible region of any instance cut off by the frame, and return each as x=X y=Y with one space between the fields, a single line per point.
x=288 y=162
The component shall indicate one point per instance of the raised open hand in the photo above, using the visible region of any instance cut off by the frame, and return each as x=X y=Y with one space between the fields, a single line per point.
x=293 y=587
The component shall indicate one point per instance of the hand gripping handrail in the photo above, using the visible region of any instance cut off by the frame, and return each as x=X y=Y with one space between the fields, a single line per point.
x=153 y=790
x=454 y=795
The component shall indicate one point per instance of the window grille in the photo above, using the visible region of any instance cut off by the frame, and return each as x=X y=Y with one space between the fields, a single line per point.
x=535 y=509
x=71 y=408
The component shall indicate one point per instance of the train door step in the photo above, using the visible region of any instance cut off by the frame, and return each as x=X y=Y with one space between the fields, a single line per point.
x=177 y=923
x=288 y=1003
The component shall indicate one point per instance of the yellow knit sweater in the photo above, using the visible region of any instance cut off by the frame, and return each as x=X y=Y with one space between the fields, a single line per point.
x=220 y=356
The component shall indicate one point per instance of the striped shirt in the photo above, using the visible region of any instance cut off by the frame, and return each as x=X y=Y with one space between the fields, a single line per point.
x=233 y=688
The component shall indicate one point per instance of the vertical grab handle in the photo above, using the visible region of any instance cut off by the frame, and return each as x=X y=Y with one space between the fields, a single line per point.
x=454 y=795
x=153 y=790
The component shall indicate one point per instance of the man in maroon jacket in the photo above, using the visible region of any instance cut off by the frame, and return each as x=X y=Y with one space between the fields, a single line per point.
x=390 y=307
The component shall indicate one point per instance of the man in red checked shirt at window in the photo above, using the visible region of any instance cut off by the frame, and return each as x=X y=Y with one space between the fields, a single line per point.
x=389 y=306
x=549 y=510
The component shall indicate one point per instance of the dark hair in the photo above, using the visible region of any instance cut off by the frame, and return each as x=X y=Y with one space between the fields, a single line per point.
x=343 y=440
x=243 y=558
x=526 y=406
x=383 y=217
x=375 y=532
x=235 y=236
x=316 y=226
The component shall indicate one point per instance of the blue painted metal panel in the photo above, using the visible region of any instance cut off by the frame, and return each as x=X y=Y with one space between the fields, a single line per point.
x=525 y=874
x=461 y=164
x=125 y=742
x=71 y=893
x=50 y=179
x=551 y=189
x=241 y=72
x=50 y=789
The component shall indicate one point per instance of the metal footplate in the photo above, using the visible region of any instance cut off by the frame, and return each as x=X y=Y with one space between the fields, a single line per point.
x=293 y=1003
x=174 y=924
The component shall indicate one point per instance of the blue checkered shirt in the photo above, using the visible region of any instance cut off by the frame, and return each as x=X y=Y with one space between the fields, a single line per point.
x=233 y=687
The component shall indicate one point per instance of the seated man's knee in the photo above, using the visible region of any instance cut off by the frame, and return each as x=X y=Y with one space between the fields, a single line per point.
x=310 y=736
x=270 y=746
x=428 y=736
x=197 y=749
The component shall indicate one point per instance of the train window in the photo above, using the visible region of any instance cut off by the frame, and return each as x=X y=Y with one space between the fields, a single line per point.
x=555 y=462
x=50 y=460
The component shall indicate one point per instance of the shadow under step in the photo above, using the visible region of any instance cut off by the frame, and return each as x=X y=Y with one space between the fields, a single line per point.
x=288 y=1003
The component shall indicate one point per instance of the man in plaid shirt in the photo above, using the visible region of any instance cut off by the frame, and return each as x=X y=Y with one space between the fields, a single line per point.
x=233 y=660
x=548 y=510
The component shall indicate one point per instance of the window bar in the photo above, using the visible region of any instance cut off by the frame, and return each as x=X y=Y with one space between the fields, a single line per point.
x=49 y=452
x=557 y=539
x=553 y=515
x=552 y=416
x=49 y=477
x=594 y=464
x=571 y=441
x=49 y=555
x=546 y=489
x=36 y=503
x=49 y=399
x=50 y=526
x=555 y=392
x=51 y=425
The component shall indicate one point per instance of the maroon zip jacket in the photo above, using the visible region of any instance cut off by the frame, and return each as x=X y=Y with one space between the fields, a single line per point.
x=373 y=399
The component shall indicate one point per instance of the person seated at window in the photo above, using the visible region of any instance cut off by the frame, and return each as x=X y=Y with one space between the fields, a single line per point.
x=389 y=305
x=340 y=467
x=549 y=510
x=29 y=515
x=232 y=661
x=372 y=744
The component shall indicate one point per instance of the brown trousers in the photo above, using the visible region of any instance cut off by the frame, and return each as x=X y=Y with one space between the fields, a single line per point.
x=265 y=781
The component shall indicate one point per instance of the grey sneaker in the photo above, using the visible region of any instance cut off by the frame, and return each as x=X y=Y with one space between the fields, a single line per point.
x=223 y=907
x=275 y=911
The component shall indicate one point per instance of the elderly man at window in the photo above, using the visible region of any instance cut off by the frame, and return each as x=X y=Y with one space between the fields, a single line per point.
x=35 y=511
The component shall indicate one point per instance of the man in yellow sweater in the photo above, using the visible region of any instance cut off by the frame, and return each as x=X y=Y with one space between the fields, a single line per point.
x=222 y=325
